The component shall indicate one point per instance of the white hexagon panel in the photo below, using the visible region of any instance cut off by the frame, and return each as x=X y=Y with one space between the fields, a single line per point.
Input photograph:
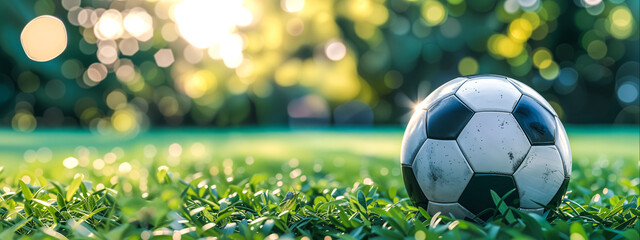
x=447 y=89
x=539 y=177
x=493 y=142
x=441 y=170
x=562 y=143
x=414 y=136
x=454 y=209
x=489 y=93
x=526 y=90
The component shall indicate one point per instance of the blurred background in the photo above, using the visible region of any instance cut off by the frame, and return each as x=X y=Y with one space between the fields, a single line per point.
x=132 y=65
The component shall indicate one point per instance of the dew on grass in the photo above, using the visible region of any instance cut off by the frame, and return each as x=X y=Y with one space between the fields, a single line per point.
x=367 y=181
x=295 y=173
x=145 y=235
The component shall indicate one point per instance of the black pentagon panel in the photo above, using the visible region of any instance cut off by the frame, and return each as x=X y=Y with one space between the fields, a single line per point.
x=528 y=91
x=446 y=119
x=413 y=189
x=538 y=124
x=477 y=195
x=557 y=199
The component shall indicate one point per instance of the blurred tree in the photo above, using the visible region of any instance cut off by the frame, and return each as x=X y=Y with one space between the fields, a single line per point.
x=132 y=64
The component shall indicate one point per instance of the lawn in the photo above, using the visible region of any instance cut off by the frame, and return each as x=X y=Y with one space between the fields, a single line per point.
x=252 y=184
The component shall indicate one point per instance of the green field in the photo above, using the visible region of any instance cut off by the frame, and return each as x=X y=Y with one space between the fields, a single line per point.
x=344 y=183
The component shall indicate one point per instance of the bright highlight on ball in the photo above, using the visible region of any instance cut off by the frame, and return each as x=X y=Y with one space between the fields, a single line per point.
x=481 y=133
x=44 y=38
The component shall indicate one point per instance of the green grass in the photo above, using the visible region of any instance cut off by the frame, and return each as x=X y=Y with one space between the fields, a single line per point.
x=279 y=183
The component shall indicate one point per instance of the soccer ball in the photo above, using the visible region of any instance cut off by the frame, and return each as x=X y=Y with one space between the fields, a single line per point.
x=480 y=133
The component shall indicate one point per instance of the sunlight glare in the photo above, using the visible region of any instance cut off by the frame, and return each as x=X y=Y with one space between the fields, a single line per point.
x=206 y=22
x=139 y=24
x=417 y=106
x=231 y=50
x=109 y=26
x=292 y=5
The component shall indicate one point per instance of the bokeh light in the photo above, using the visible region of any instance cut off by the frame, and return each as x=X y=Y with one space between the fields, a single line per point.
x=164 y=57
x=335 y=50
x=24 y=121
x=621 y=23
x=542 y=58
x=109 y=26
x=520 y=29
x=70 y=162
x=433 y=12
x=199 y=83
x=96 y=72
x=44 y=38
x=139 y=24
x=124 y=120
x=628 y=92
x=468 y=66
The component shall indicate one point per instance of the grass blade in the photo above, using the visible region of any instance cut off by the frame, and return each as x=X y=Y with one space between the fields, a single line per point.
x=73 y=187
